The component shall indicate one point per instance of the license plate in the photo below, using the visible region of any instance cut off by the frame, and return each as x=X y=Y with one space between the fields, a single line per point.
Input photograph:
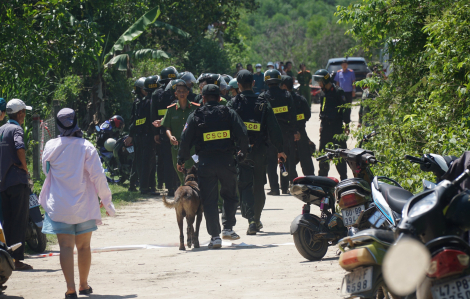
x=358 y=281
x=130 y=149
x=350 y=215
x=454 y=289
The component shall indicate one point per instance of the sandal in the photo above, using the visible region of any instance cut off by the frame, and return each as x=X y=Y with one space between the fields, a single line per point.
x=20 y=266
x=86 y=292
x=71 y=296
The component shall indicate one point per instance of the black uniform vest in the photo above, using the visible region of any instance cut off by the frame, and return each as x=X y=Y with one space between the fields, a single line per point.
x=279 y=100
x=252 y=111
x=142 y=115
x=165 y=99
x=301 y=121
x=214 y=129
x=329 y=110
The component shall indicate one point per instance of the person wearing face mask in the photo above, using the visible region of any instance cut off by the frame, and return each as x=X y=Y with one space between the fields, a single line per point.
x=270 y=65
x=259 y=80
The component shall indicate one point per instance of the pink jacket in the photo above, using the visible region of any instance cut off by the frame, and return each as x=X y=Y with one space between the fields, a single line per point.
x=74 y=181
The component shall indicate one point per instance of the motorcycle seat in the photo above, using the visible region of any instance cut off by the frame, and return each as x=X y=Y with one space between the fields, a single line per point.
x=316 y=180
x=383 y=235
x=396 y=197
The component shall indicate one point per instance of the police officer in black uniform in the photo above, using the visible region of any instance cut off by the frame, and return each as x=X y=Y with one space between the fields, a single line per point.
x=215 y=79
x=261 y=123
x=303 y=150
x=161 y=99
x=214 y=129
x=284 y=109
x=332 y=118
x=141 y=135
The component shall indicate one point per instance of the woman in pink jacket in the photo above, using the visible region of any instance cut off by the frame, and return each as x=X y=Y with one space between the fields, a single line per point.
x=74 y=180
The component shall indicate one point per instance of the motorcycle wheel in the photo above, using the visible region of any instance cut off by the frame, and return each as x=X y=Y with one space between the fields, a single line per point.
x=307 y=246
x=38 y=241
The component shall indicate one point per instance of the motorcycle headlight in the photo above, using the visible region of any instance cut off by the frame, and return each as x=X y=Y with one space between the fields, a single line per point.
x=424 y=205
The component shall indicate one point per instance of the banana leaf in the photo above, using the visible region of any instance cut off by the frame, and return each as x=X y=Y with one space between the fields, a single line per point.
x=172 y=28
x=135 y=30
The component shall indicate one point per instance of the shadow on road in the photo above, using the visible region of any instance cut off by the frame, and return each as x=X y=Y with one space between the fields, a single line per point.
x=271 y=234
x=3 y=296
x=111 y=296
x=335 y=258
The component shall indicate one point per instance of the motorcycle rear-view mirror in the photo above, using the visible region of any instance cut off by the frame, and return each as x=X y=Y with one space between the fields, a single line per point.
x=405 y=266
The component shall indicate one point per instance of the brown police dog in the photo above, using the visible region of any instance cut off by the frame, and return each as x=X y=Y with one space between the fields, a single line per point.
x=187 y=204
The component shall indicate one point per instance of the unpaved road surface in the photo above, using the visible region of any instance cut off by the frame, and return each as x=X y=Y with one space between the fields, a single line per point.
x=270 y=267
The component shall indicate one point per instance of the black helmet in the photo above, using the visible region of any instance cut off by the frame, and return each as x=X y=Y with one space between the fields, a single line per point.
x=227 y=78
x=139 y=84
x=117 y=122
x=168 y=73
x=214 y=79
x=187 y=77
x=173 y=83
x=151 y=83
x=322 y=76
x=272 y=76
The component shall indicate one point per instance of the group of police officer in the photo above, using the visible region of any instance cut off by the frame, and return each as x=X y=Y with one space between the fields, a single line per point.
x=235 y=136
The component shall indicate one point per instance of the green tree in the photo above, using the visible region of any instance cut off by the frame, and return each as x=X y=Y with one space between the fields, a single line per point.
x=423 y=105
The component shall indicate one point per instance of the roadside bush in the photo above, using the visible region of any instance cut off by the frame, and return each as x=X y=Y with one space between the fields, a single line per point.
x=423 y=106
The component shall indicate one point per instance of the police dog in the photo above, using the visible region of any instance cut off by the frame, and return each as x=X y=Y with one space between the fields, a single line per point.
x=187 y=204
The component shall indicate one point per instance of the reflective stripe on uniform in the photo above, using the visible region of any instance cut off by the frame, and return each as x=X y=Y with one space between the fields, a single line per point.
x=280 y=109
x=140 y=121
x=209 y=136
x=323 y=106
x=162 y=112
x=253 y=126
x=300 y=116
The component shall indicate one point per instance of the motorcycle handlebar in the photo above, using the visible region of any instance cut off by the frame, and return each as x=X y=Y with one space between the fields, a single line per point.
x=322 y=158
x=415 y=159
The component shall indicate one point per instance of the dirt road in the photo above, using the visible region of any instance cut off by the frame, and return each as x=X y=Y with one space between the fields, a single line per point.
x=265 y=266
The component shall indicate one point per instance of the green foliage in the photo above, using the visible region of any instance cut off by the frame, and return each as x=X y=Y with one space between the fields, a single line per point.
x=207 y=56
x=68 y=91
x=295 y=30
x=423 y=105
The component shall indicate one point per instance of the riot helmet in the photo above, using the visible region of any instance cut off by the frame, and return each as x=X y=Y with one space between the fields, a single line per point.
x=272 y=76
x=214 y=79
x=189 y=78
x=151 y=83
x=168 y=73
x=139 y=85
x=323 y=76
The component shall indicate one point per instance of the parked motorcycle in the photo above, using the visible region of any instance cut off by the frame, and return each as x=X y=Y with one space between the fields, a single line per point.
x=436 y=218
x=118 y=162
x=6 y=261
x=389 y=199
x=35 y=239
x=313 y=234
